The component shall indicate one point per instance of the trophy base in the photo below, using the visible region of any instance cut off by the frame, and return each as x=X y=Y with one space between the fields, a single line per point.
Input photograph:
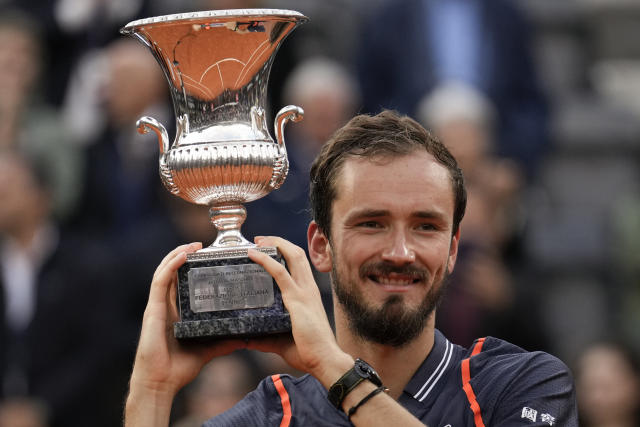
x=223 y=294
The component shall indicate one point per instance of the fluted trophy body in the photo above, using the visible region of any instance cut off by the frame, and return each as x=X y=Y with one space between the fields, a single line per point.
x=217 y=65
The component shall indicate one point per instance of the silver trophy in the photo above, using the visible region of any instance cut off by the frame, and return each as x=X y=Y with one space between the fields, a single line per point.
x=217 y=64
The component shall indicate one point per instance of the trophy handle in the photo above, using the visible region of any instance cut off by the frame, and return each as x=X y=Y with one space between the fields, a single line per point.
x=146 y=123
x=290 y=112
x=281 y=164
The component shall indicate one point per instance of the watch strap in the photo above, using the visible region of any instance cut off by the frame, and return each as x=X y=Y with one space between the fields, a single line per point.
x=359 y=372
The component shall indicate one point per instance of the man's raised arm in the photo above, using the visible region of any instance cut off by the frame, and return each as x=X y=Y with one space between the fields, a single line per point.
x=162 y=364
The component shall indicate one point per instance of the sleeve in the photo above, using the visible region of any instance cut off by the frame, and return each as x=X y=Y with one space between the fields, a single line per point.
x=262 y=407
x=539 y=393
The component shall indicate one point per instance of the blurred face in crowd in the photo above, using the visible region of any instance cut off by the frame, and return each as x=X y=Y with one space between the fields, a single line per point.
x=391 y=244
x=134 y=82
x=468 y=142
x=222 y=383
x=19 y=62
x=607 y=386
x=22 y=412
x=325 y=111
x=24 y=202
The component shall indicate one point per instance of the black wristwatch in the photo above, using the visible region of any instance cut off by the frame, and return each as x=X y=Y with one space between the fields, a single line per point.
x=361 y=371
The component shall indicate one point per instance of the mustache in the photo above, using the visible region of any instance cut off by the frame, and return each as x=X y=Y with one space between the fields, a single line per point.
x=384 y=269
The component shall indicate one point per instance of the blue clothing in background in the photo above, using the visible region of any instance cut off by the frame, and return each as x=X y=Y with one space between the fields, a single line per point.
x=408 y=47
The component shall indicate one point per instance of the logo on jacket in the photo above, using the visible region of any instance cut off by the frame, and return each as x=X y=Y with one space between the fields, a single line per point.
x=532 y=415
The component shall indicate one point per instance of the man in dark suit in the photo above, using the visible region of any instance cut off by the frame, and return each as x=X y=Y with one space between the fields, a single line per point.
x=58 y=332
x=408 y=47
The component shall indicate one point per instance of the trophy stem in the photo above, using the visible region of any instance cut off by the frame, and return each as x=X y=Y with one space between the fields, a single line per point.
x=228 y=219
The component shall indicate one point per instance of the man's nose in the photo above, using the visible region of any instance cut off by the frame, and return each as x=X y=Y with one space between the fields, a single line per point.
x=399 y=250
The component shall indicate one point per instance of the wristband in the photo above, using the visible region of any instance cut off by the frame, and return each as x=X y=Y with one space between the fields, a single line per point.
x=364 y=400
x=361 y=371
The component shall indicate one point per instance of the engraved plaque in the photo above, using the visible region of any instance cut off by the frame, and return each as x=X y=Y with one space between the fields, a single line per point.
x=230 y=287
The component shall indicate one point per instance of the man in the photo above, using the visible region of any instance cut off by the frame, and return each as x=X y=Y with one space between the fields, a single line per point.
x=387 y=201
x=483 y=43
x=59 y=347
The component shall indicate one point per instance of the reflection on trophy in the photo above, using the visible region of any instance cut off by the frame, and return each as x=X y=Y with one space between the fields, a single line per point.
x=217 y=64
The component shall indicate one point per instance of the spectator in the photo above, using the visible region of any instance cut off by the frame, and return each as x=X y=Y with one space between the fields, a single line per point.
x=487 y=288
x=328 y=95
x=607 y=386
x=57 y=336
x=464 y=119
x=19 y=70
x=409 y=47
x=73 y=29
x=219 y=386
x=25 y=120
x=22 y=412
x=121 y=165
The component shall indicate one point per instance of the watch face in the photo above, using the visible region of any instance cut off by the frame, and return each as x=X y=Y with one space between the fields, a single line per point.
x=363 y=369
x=366 y=371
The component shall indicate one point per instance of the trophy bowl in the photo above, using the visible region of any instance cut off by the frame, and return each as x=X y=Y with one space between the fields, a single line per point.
x=217 y=65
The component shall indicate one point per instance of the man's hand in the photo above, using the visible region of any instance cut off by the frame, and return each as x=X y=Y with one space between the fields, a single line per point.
x=313 y=348
x=163 y=365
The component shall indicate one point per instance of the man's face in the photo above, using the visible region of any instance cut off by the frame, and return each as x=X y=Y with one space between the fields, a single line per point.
x=391 y=244
x=21 y=197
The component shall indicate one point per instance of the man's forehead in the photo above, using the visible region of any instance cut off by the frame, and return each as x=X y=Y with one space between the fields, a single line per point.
x=418 y=176
x=353 y=165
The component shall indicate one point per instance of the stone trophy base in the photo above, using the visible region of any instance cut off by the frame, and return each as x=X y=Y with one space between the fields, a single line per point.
x=223 y=294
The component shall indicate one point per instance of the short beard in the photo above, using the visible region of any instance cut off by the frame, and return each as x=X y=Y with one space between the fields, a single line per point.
x=392 y=324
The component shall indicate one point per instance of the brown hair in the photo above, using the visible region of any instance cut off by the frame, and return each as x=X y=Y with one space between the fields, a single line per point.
x=385 y=134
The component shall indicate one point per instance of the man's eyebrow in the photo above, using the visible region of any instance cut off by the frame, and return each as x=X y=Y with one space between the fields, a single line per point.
x=429 y=215
x=367 y=213
x=374 y=213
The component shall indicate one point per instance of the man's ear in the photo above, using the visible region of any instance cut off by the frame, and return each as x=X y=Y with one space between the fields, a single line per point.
x=453 y=251
x=319 y=248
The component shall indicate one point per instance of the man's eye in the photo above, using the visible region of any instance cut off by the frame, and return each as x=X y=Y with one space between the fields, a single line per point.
x=369 y=224
x=427 y=227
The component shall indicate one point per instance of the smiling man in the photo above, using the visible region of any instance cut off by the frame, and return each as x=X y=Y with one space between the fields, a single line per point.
x=387 y=201
x=386 y=237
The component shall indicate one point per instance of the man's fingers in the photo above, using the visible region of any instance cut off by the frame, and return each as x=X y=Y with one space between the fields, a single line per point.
x=295 y=257
x=298 y=285
x=169 y=257
x=189 y=247
x=273 y=267
x=172 y=293
x=164 y=277
x=221 y=348
x=166 y=271
x=167 y=268
x=282 y=344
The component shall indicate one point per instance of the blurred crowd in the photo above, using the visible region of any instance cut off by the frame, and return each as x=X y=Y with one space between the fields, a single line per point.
x=538 y=100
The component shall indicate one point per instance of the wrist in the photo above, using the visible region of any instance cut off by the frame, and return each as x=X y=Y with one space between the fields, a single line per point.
x=352 y=381
x=141 y=383
x=148 y=405
x=333 y=368
x=359 y=393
